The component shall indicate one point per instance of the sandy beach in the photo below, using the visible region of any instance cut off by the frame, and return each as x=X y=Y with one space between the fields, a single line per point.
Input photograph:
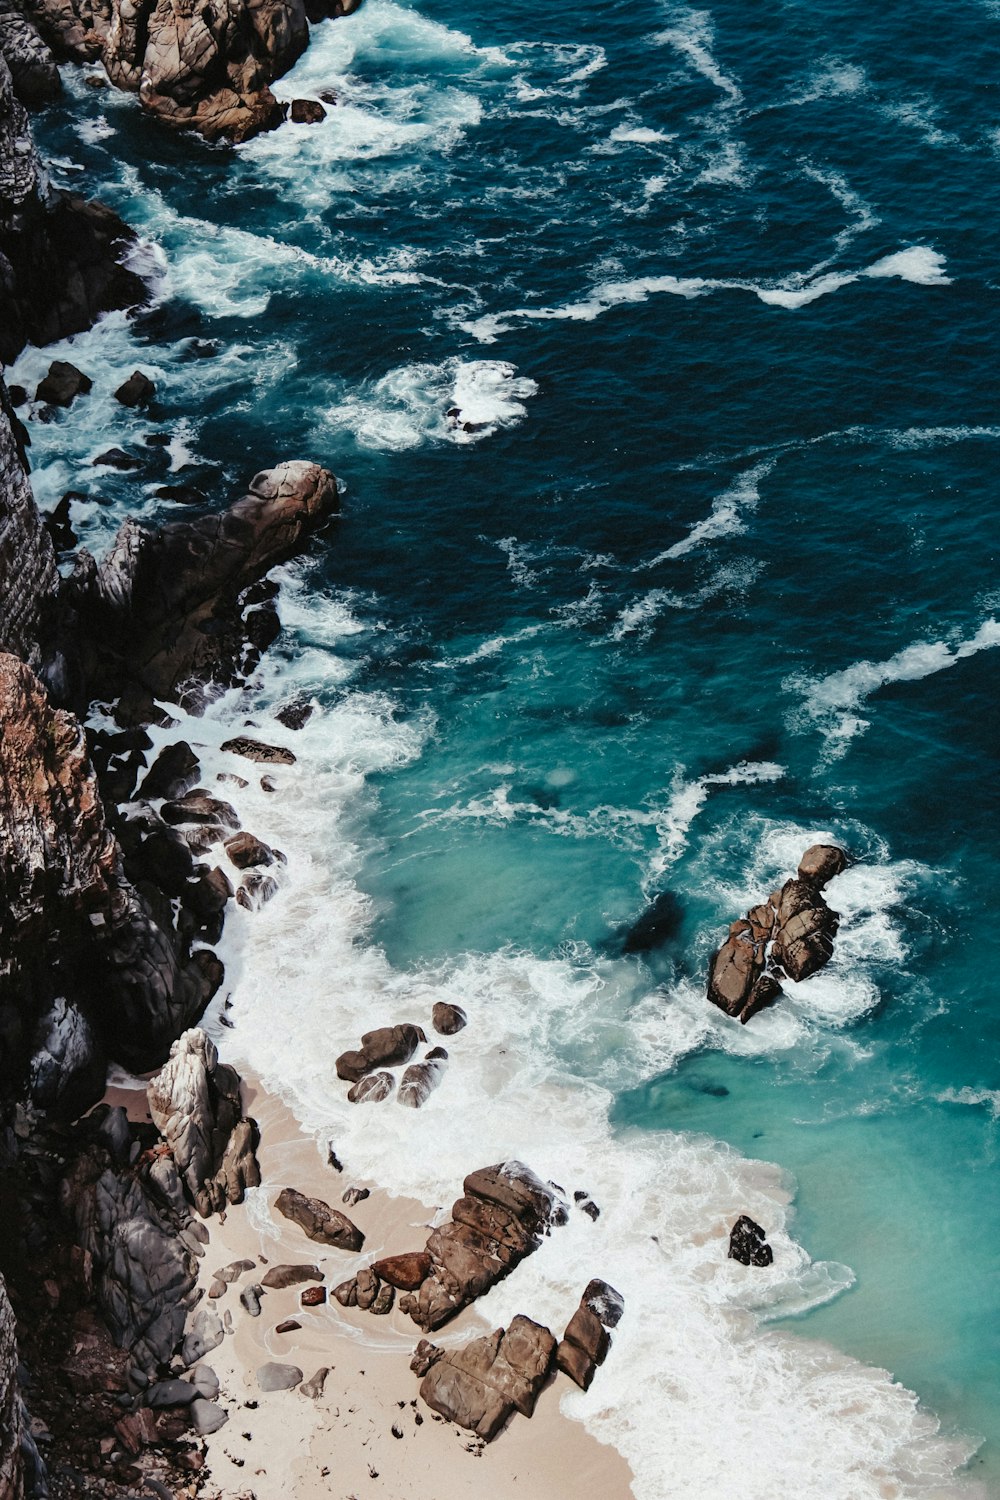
x=367 y=1433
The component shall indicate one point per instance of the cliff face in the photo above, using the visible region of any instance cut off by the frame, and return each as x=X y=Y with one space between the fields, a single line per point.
x=60 y=256
x=11 y=1483
x=28 y=577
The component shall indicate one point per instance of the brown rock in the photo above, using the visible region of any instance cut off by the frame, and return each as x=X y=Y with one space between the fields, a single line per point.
x=821 y=862
x=448 y=1019
x=320 y=1222
x=271 y=755
x=576 y=1363
x=288 y=1326
x=307 y=112
x=282 y=1276
x=407 y=1271
x=312 y=1296
x=584 y=1329
x=372 y=1089
x=385 y=1048
x=245 y=849
x=482 y=1384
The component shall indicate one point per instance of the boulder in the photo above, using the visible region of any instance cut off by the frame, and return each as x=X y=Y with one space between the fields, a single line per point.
x=386 y=1047
x=748 y=1243
x=194 y=1101
x=306 y=112
x=821 y=862
x=420 y=1080
x=269 y=755
x=289 y=1325
x=805 y=928
x=282 y=1276
x=277 y=1377
x=313 y=1387
x=448 y=1019
x=372 y=1089
x=320 y=1222
x=207 y=1416
x=250 y=1299
x=586 y=1342
x=406 y=1272
x=63 y=383
x=235 y=1270
x=481 y=1385
x=500 y=1219
x=198 y=807
x=294 y=715
x=312 y=1296
x=173 y=773
x=137 y=390
x=116 y=458
x=354 y=1195
x=33 y=70
x=246 y=850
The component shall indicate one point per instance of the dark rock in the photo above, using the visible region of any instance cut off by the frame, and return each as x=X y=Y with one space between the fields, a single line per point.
x=173 y=773
x=288 y=1326
x=198 y=807
x=385 y=1048
x=748 y=1243
x=658 y=924
x=245 y=849
x=63 y=383
x=59 y=526
x=207 y=896
x=372 y=1089
x=354 y=1195
x=282 y=1276
x=181 y=494
x=313 y=1296
x=448 y=1019
x=33 y=68
x=320 y=1222
x=590 y=1208
x=256 y=890
x=586 y=1341
x=294 y=715
x=420 y=1080
x=272 y=755
x=805 y=928
x=407 y=1271
x=137 y=390
x=116 y=458
x=483 y=1383
x=307 y=112
x=604 y=1302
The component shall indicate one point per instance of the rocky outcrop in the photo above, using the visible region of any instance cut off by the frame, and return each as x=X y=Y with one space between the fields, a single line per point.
x=32 y=67
x=61 y=258
x=194 y=1102
x=587 y=1339
x=28 y=577
x=318 y=1221
x=384 y=1048
x=164 y=608
x=481 y=1385
x=501 y=1218
x=193 y=69
x=748 y=1243
x=791 y=933
x=11 y=1411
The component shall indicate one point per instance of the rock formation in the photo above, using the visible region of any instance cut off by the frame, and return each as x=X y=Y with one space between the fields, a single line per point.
x=28 y=578
x=194 y=1102
x=384 y=1048
x=481 y=1385
x=11 y=1411
x=318 y=1221
x=164 y=608
x=748 y=1243
x=501 y=1218
x=587 y=1339
x=61 y=258
x=791 y=933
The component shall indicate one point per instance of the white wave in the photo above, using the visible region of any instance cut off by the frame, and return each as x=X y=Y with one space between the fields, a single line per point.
x=726 y=517
x=833 y=704
x=698 y=1398
x=456 y=401
x=833 y=79
x=673 y=824
x=692 y=35
x=989 y=1098
x=636 y=620
x=917 y=263
x=641 y=135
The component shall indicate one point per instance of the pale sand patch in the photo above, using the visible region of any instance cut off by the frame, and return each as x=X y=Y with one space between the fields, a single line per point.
x=342 y=1445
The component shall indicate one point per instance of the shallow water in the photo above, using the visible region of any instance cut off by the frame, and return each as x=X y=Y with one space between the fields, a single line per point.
x=711 y=574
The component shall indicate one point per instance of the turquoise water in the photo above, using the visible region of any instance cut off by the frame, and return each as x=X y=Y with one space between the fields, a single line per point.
x=712 y=574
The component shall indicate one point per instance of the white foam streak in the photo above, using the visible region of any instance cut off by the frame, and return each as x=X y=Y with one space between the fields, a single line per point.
x=693 y=36
x=726 y=517
x=456 y=401
x=833 y=704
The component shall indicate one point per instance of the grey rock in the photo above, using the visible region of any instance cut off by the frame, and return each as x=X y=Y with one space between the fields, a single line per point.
x=320 y=1222
x=278 y=1377
x=448 y=1019
x=250 y=1298
x=206 y=1333
x=207 y=1416
x=282 y=1276
x=313 y=1387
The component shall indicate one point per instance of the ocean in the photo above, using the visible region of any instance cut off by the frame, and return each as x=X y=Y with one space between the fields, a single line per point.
x=655 y=349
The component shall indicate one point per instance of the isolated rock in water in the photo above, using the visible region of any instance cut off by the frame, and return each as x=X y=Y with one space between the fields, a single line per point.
x=748 y=1243
x=278 y=1377
x=194 y=1102
x=406 y=1272
x=419 y=1082
x=821 y=862
x=483 y=1383
x=282 y=1276
x=604 y=1302
x=385 y=1048
x=163 y=607
x=658 y=924
x=306 y=112
x=372 y=1089
x=173 y=773
x=246 y=850
x=296 y=714
x=137 y=390
x=792 y=932
x=320 y=1222
x=269 y=755
x=448 y=1019
x=63 y=383
x=501 y=1219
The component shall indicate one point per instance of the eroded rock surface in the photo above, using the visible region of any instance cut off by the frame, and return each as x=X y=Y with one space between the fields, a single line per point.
x=791 y=933
x=318 y=1221
x=482 y=1384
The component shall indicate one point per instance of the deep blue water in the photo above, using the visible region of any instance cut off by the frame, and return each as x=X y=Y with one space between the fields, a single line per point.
x=716 y=572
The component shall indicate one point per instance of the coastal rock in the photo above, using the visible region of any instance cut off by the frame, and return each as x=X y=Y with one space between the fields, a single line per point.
x=33 y=69
x=448 y=1019
x=501 y=1218
x=282 y=1276
x=386 y=1047
x=419 y=1081
x=306 y=112
x=270 y=755
x=289 y=1325
x=317 y=1220
x=313 y=1387
x=406 y=1272
x=586 y=1342
x=194 y=1101
x=29 y=581
x=163 y=609
x=207 y=1416
x=235 y=1270
x=372 y=1089
x=12 y=1415
x=205 y=1334
x=312 y=1296
x=354 y=1195
x=425 y=1355
x=137 y=390
x=173 y=773
x=63 y=383
x=277 y=1377
x=197 y=806
x=250 y=1299
x=482 y=1384
x=792 y=932
x=246 y=850
x=748 y=1243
